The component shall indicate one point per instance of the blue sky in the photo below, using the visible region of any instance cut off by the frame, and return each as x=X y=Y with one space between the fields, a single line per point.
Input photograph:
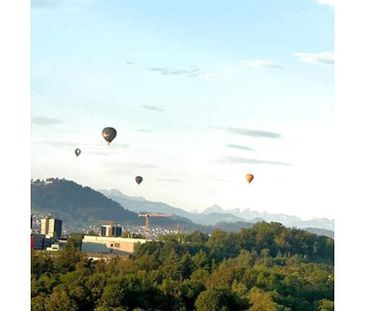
x=190 y=87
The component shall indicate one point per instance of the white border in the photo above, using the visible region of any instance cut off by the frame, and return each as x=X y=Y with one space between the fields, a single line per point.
x=350 y=69
x=350 y=222
x=15 y=154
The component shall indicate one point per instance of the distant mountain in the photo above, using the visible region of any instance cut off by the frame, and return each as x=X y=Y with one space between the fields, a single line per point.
x=317 y=231
x=77 y=205
x=138 y=204
x=236 y=226
x=214 y=214
x=287 y=220
x=233 y=226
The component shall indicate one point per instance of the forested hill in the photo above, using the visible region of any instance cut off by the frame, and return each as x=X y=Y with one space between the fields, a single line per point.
x=76 y=204
x=73 y=202
x=266 y=267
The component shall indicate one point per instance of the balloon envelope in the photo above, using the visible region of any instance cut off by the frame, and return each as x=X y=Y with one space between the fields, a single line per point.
x=249 y=178
x=77 y=152
x=109 y=133
x=138 y=179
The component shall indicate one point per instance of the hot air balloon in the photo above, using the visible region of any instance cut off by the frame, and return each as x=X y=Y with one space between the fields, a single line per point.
x=77 y=152
x=139 y=179
x=109 y=133
x=249 y=178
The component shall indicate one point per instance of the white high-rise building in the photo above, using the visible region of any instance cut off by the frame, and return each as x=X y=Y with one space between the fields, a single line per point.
x=51 y=227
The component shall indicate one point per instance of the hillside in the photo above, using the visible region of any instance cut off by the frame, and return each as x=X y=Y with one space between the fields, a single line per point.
x=77 y=205
x=137 y=204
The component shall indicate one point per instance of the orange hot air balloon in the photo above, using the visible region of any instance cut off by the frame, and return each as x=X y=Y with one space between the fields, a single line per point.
x=249 y=178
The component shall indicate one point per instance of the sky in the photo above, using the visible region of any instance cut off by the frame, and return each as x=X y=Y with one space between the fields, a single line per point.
x=200 y=93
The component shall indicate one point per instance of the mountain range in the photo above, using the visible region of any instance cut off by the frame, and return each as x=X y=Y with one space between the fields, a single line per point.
x=79 y=205
x=214 y=214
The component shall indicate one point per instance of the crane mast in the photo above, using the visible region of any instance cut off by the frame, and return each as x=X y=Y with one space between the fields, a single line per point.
x=147 y=215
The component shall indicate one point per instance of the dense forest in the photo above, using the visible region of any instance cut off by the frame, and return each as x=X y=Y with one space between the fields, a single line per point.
x=265 y=267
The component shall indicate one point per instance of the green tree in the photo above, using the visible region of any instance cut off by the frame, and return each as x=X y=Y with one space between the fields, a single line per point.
x=260 y=301
x=67 y=258
x=217 y=300
x=186 y=265
x=195 y=237
x=75 y=240
x=324 y=305
x=60 y=301
x=101 y=308
x=189 y=293
x=38 y=303
x=41 y=262
x=201 y=260
x=130 y=291
x=172 y=293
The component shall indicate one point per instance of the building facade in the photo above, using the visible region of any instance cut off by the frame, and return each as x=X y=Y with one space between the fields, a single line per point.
x=39 y=241
x=111 y=231
x=101 y=244
x=51 y=227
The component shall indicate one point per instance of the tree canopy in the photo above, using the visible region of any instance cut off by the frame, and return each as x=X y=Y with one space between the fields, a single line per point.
x=266 y=267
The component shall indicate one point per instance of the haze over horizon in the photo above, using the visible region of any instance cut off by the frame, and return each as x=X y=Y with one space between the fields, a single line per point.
x=200 y=93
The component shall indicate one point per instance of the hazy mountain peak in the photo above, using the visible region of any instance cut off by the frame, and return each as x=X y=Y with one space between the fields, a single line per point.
x=118 y=193
x=213 y=209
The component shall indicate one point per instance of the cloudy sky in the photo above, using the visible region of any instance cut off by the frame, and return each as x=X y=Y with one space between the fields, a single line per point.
x=200 y=92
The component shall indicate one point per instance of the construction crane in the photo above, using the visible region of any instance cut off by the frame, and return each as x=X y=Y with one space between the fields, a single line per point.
x=178 y=231
x=147 y=215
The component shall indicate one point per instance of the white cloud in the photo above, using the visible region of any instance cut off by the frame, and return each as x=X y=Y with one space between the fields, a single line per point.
x=261 y=64
x=153 y=108
x=239 y=147
x=326 y=2
x=45 y=120
x=66 y=6
x=236 y=160
x=316 y=58
x=210 y=74
x=247 y=132
x=255 y=64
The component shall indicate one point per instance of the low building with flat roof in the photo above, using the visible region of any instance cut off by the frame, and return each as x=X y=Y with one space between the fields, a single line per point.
x=102 y=244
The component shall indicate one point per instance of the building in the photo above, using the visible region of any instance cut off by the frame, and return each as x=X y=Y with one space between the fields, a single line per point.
x=39 y=241
x=53 y=248
x=51 y=227
x=103 y=244
x=111 y=231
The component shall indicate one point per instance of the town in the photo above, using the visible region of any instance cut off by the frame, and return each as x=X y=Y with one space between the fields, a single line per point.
x=106 y=240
